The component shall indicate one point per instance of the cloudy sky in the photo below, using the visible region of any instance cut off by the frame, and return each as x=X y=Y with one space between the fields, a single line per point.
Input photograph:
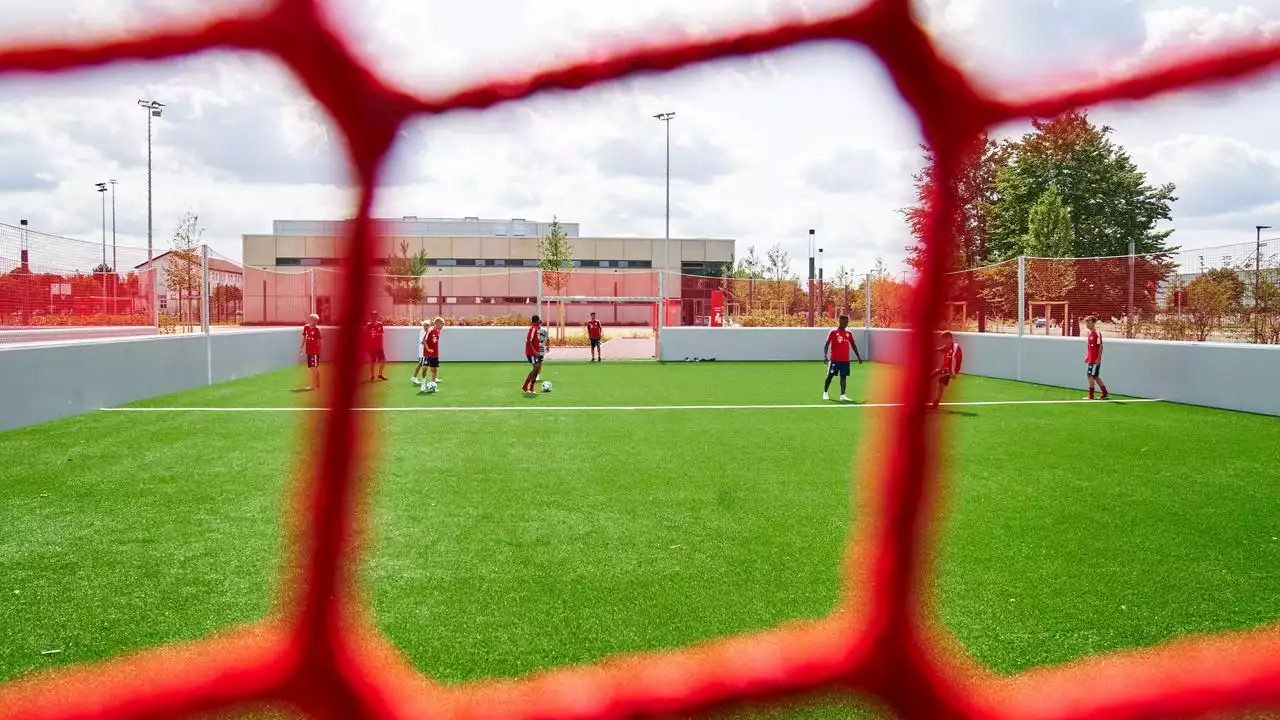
x=762 y=150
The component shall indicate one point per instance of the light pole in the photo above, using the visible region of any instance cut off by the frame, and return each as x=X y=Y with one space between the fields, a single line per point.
x=665 y=117
x=812 y=243
x=1257 y=273
x=822 y=304
x=154 y=110
x=113 y=184
x=102 y=190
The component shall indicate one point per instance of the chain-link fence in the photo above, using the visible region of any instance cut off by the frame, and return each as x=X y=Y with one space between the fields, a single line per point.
x=48 y=281
x=1229 y=293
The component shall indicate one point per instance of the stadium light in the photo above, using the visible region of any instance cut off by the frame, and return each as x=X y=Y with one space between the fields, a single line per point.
x=665 y=117
x=154 y=110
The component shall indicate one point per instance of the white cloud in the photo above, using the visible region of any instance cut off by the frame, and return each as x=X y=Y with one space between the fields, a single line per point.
x=762 y=149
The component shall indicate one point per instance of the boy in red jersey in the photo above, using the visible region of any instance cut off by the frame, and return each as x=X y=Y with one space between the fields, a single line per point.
x=594 y=334
x=952 y=359
x=1093 y=358
x=534 y=353
x=311 y=349
x=839 y=343
x=377 y=355
x=431 y=352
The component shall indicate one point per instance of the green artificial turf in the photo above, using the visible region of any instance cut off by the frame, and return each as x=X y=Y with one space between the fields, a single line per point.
x=505 y=542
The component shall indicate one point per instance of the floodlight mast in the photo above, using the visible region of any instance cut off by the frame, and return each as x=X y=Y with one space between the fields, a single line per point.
x=154 y=110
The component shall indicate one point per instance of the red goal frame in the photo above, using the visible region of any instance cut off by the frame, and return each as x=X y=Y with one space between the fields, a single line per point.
x=319 y=651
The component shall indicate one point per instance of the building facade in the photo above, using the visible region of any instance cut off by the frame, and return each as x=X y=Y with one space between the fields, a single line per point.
x=482 y=268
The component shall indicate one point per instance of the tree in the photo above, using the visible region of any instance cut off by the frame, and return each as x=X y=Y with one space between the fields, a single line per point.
x=404 y=277
x=975 y=191
x=1211 y=297
x=226 y=300
x=182 y=271
x=1110 y=201
x=778 y=264
x=839 y=287
x=555 y=255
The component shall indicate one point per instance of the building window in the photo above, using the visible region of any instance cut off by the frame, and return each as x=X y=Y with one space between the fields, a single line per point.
x=500 y=232
x=604 y=263
x=480 y=262
x=498 y=263
x=529 y=263
x=446 y=262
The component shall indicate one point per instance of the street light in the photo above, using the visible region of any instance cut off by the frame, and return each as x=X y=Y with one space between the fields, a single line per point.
x=154 y=110
x=1257 y=273
x=665 y=117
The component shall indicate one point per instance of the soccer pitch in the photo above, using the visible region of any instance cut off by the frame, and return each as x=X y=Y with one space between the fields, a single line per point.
x=639 y=506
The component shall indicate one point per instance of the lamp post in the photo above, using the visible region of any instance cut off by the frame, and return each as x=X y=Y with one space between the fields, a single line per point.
x=154 y=110
x=822 y=287
x=665 y=117
x=811 y=275
x=102 y=190
x=1257 y=274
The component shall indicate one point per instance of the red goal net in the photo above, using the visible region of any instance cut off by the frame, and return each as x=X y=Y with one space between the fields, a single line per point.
x=320 y=654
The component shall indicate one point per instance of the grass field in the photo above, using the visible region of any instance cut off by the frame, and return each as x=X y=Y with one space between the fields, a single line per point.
x=583 y=523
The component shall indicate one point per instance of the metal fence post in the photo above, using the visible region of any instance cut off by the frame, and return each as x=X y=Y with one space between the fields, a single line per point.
x=867 y=288
x=204 y=311
x=1022 y=307
x=539 y=310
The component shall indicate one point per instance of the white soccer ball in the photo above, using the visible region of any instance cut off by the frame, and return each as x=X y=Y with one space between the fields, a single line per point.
x=431 y=387
x=546 y=386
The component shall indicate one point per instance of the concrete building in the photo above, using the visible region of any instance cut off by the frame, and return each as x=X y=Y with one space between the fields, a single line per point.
x=482 y=268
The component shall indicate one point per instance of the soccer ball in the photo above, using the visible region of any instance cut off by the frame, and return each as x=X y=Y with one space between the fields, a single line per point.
x=546 y=386
x=430 y=387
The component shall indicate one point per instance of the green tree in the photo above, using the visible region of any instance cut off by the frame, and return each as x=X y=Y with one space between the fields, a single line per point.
x=555 y=259
x=182 y=270
x=1110 y=199
x=404 y=278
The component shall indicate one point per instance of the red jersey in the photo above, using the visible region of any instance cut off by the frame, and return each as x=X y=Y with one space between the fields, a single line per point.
x=841 y=342
x=1093 y=355
x=431 y=344
x=593 y=329
x=374 y=331
x=311 y=339
x=952 y=358
x=532 y=342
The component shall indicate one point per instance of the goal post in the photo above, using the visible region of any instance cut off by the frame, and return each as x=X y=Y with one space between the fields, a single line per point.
x=639 y=312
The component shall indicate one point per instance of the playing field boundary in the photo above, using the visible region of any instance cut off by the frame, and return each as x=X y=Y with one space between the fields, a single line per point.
x=621 y=408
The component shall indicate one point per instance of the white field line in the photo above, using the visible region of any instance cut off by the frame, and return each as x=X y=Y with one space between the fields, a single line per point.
x=615 y=408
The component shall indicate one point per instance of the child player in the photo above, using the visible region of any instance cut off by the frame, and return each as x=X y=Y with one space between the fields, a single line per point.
x=839 y=343
x=594 y=333
x=431 y=352
x=952 y=358
x=422 y=359
x=533 y=352
x=1093 y=358
x=377 y=354
x=311 y=349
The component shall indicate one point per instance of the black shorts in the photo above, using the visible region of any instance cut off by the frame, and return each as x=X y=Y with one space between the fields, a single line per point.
x=377 y=355
x=944 y=377
x=595 y=342
x=431 y=362
x=1093 y=369
x=313 y=361
x=838 y=368
x=534 y=359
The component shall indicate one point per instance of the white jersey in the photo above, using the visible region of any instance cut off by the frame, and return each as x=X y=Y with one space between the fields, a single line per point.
x=422 y=338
